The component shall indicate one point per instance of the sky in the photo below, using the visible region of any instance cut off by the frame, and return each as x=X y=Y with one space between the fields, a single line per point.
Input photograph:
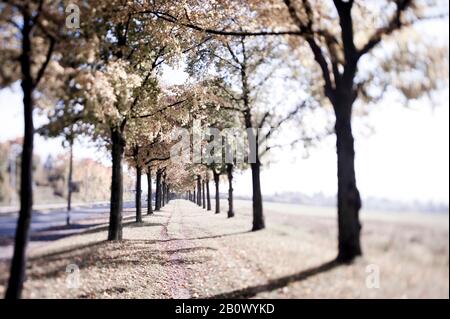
x=406 y=158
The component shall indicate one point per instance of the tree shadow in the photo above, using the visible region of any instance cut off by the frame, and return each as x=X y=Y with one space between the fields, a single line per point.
x=58 y=232
x=130 y=224
x=69 y=250
x=89 y=231
x=112 y=255
x=203 y=237
x=278 y=283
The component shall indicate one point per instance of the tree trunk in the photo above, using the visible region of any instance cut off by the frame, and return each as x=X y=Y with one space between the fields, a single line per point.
x=158 y=191
x=115 y=217
x=163 y=191
x=349 y=201
x=203 y=194
x=258 y=217
x=217 y=198
x=138 y=194
x=69 y=183
x=18 y=263
x=194 y=197
x=230 y=190
x=199 y=191
x=208 y=197
x=167 y=193
x=149 y=191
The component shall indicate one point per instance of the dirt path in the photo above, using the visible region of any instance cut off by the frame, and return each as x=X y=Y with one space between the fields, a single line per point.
x=183 y=236
x=177 y=271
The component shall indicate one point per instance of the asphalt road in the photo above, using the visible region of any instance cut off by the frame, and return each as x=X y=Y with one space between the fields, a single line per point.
x=50 y=224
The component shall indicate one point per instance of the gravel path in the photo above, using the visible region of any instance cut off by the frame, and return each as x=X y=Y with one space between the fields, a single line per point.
x=184 y=251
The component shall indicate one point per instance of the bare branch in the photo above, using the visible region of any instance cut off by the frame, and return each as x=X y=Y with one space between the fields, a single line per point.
x=233 y=55
x=41 y=71
x=394 y=24
x=317 y=51
x=264 y=119
x=160 y=110
x=291 y=114
x=172 y=19
x=163 y=159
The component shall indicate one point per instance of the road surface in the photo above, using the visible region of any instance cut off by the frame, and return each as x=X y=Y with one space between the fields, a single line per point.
x=50 y=224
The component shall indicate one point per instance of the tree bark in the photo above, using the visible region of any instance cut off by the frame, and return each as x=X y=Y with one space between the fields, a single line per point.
x=163 y=191
x=149 y=191
x=208 y=197
x=18 y=263
x=138 y=194
x=257 y=205
x=168 y=193
x=69 y=182
x=230 y=190
x=217 y=198
x=199 y=191
x=204 y=194
x=115 y=217
x=349 y=201
x=258 y=217
x=158 y=191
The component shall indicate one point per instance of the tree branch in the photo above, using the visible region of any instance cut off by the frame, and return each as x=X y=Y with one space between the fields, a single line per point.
x=394 y=24
x=41 y=71
x=172 y=19
x=160 y=110
x=163 y=159
x=344 y=10
x=306 y=30
x=264 y=118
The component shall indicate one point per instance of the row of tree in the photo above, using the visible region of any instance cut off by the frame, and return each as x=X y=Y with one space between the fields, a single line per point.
x=95 y=68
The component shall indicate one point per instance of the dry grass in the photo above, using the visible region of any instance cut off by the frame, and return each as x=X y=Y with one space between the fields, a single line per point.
x=186 y=252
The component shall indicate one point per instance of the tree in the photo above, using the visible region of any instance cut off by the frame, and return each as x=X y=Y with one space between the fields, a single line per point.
x=240 y=70
x=204 y=193
x=119 y=81
x=142 y=137
x=35 y=23
x=208 y=195
x=159 y=173
x=338 y=35
x=149 y=190
x=216 y=176
x=230 y=190
x=199 y=190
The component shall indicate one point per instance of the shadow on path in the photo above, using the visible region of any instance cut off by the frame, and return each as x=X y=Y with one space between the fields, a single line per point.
x=199 y=238
x=113 y=255
x=278 y=283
